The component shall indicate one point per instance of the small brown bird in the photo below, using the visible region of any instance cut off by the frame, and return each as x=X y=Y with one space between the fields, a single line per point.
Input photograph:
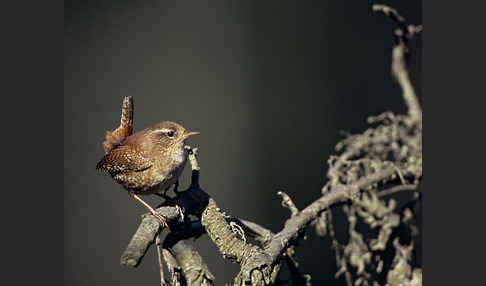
x=146 y=162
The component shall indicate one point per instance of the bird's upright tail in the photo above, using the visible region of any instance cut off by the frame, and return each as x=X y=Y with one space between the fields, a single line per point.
x=116 y=137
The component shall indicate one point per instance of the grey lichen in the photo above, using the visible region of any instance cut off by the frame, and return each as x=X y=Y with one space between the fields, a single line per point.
x=394 y=142
x=194 y=269
x=401 y=273
x=233 y=247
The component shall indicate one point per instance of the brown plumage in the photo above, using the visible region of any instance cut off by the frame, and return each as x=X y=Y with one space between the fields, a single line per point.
x=146 y=162
x=150 y=160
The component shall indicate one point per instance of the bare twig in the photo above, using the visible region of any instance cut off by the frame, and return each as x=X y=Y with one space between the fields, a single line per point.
x=341 y=193
x=288 y=203
x=259 y=233
x=399 y=68
x=396 y=189
x=266 y=263
x=298 y=279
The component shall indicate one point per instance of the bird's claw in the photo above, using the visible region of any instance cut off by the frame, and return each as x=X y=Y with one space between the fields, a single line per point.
x=181 y=212
x=162 y=218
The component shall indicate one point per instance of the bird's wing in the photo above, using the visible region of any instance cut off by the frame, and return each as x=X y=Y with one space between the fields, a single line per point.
x=122 y=159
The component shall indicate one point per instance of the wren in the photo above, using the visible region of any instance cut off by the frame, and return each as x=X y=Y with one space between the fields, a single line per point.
x=146 y=162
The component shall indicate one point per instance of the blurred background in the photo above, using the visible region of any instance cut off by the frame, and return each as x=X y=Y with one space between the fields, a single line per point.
x=269 y=84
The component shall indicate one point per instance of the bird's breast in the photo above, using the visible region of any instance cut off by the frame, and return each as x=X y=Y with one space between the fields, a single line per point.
x=179 y=156
x=172 y=169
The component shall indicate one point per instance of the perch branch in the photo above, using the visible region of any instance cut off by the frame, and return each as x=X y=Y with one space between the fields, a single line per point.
x=261 y=266
x=145 y=235
x=191 y=201
x=251 y=258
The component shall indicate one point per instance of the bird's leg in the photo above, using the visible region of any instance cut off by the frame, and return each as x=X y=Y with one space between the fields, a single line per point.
x=160 y=217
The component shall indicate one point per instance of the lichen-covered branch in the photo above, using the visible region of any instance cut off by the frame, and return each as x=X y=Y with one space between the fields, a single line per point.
x=395 y=142
x=233 y=247
x=195 y=271
x=140 y=242
x=295 y=224
x=160 y=260
x=145 y=235
x=191 y=201
x=175 y=271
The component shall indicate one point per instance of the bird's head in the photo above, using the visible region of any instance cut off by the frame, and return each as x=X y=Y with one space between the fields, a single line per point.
x=169 y=135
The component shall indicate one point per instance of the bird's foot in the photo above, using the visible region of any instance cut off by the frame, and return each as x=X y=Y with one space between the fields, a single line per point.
x=181 y=212
x=162 y=218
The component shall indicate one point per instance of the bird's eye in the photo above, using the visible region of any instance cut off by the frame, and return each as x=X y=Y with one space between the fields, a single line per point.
x=170 y=133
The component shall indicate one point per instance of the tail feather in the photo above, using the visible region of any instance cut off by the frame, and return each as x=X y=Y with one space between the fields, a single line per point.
x=117 y=136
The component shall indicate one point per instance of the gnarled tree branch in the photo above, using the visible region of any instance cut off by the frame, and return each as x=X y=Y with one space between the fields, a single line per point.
x=391 y=153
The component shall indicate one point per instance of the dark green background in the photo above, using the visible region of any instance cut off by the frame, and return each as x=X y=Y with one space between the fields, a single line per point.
x=269 y=84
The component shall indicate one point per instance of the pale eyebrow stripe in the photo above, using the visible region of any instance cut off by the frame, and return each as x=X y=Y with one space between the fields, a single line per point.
x=162 y=130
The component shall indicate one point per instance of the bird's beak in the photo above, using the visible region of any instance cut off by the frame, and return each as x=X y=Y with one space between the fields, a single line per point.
x=187 y=134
